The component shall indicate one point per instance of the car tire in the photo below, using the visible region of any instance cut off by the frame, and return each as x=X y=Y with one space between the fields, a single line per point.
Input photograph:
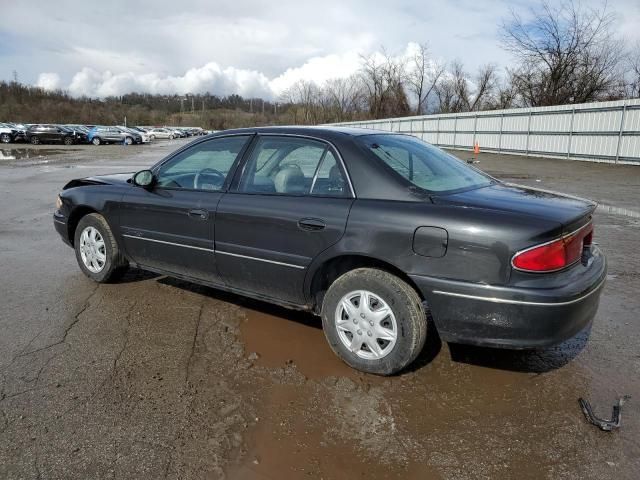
x=171 y=137
x=96 y=141
x=5 y=138
x=68 y=141
x=400 y=336
x=128 y=140
x=34 y=140
x=98 y=255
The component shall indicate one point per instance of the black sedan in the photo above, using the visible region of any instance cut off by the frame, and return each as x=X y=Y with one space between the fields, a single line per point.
x=367 y=229
x=37 y=134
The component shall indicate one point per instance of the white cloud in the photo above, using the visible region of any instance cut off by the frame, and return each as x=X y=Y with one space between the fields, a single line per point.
x=49 y=81
x=213 y=78
x=208 y=78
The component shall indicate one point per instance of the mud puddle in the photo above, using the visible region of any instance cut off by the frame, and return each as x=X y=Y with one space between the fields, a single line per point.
x=291 y=338
x=299 y=435
x=30 y=153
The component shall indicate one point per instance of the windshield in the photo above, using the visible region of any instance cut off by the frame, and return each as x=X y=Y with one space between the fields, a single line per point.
x=422 y=164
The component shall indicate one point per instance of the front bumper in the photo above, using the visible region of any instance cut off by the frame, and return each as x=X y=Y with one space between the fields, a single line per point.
x=60 y=224
x=515 y=317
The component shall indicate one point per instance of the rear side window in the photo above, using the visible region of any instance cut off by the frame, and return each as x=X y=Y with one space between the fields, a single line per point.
x=424 y=165
x=292 y=166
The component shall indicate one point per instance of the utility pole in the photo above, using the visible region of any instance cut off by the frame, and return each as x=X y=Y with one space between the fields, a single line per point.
x=193 y=110
x=263 y=106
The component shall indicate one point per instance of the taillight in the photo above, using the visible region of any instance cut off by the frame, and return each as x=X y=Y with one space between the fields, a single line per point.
x=554 y=255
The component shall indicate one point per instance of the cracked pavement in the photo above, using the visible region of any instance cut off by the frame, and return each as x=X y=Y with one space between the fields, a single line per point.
x=154 y=377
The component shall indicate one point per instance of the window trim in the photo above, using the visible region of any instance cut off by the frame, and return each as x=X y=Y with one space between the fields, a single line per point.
x=235 y=183
x=230 y=175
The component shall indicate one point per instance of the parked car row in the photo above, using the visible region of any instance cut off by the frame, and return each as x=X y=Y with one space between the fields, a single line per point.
x=91 y=134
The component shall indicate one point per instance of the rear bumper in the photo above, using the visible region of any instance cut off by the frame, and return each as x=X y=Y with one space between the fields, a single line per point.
x=515 y=317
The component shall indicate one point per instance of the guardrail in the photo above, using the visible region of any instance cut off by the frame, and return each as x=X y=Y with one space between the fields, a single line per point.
x=602 y=132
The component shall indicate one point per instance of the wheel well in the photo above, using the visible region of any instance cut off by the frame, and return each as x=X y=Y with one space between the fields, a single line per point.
x=74 y=219
x=335 y=267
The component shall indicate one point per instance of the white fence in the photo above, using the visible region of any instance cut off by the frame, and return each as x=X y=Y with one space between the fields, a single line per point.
x=603 y=132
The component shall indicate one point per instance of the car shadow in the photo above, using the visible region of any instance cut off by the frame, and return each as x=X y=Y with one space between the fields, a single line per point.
x=136 y=275
x=302 y=317
x=527 y=361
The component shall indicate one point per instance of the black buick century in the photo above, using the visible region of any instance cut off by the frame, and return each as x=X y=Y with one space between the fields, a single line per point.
x=367 y=229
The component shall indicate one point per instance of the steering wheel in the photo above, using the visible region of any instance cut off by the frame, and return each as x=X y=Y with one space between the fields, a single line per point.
x=219 y=176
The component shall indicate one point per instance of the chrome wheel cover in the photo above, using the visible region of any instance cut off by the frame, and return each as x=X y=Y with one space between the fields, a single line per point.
x=92 y=250
x=366 y=325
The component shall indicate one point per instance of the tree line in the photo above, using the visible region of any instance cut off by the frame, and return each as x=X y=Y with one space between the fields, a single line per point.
x=563 y=53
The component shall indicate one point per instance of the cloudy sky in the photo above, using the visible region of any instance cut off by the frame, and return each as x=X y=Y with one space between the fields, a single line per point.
x=250 y=47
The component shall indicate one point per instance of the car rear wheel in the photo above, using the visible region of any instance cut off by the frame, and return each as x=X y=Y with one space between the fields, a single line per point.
x=68 y=141
x=35 y=140
x=128 y=140
x=97 y=251
x=96 y=141
x=374 y=321
x=5 y=138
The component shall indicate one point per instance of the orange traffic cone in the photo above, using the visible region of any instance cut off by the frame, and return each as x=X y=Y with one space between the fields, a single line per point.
x=476 y=148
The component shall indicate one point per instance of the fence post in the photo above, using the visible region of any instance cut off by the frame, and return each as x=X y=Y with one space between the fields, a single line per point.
x=438 y=132
x=455 y=130
x=423 y=131
x=475 y=125
x=573 y=112
x=500 y=135
x=624 y=111
x=528 y=134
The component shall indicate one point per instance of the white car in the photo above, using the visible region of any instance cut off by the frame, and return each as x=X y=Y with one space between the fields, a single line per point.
x=7 y=134
x=161 y=133
x=146 y=138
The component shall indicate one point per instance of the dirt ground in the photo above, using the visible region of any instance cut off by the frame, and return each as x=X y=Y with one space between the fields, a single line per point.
x=158 y=378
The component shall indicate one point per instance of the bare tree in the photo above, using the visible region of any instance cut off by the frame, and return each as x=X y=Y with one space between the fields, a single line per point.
x=383 y=80
x=633 y=64
x=422 y=76
x=566 y=54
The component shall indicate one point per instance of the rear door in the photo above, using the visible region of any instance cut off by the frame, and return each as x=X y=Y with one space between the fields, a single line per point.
x=171 y=226
x=290 y=203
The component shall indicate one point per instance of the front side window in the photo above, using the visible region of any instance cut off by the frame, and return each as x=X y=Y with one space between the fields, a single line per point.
x=204 y=166
x=292 y=166
x=424 y=165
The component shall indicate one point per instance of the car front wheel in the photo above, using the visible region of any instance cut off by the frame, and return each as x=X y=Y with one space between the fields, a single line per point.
x=96 y=141
x=35 y=140
x=97 y=251
x=68 y=141
x=5 y=138
x=374 y=321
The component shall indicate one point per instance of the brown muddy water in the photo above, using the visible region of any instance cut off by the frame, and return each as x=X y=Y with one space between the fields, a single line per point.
x=157 y=378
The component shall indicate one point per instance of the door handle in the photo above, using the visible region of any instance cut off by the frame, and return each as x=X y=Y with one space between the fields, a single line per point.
x=311 y=224
x=199 y=214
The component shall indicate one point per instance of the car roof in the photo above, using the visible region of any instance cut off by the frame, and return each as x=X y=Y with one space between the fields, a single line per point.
x=320 y=130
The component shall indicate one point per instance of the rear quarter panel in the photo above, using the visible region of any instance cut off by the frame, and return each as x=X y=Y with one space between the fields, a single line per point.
x=480 y=242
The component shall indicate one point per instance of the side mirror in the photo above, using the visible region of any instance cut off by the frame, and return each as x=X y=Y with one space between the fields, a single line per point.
x=144 y=179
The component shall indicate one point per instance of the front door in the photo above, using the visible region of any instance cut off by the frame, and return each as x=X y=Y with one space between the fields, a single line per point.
x=170 y=227
x=290 y=203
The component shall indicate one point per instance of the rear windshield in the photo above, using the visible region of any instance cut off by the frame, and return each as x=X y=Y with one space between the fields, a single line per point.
x=422 y=164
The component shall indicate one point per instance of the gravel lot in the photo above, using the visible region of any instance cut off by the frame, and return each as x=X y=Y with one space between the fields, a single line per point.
x=155 y=377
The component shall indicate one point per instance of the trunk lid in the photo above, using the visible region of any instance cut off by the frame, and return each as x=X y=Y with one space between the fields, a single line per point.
x=566 y=210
